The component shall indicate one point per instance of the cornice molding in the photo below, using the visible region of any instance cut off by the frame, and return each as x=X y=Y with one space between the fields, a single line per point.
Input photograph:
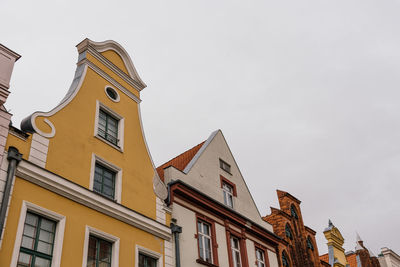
x=95 y=48
x=81 y=195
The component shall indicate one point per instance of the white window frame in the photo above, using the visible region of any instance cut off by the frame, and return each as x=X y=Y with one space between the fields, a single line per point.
x=112 y=167
x=59 y=234
x=204 y=236
x=120 y=119
x=103 y=235
x=234 y=250
x=260 y=262
x=148 y=252
x=227 y=194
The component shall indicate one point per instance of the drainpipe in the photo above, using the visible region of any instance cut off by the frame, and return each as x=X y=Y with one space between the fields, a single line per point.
x=14 y=157
x=176 y=230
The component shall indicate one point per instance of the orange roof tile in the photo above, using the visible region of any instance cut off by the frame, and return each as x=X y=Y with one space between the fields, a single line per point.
x=324 y=257
x=352 y=259
x=180 y=161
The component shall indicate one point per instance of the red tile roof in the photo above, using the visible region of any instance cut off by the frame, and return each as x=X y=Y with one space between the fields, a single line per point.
x=180 y=161
x=351 y=259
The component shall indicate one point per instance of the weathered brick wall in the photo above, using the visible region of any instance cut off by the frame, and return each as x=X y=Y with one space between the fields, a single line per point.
x=296 y=247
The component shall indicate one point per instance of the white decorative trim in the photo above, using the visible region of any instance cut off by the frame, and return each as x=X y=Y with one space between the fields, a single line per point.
x=160 y=212
x=168 y=254
x=79 y=194
x=120 y=119
x=39 y=149
x=107 y=77
x=98 y=47
x=118 y=178
x=103 y=235
x=63 y=103
x=197 y=156
x=159 y=187
x=59 y=235
x=115 y=91
x=148 y=252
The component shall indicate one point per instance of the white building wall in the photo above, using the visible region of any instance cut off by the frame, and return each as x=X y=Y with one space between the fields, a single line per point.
x=223 y=256
x=251 y=252
x=204 y=175
x=273 y=260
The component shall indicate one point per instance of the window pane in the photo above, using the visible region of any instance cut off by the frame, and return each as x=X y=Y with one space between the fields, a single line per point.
x=40 y=262
x=45 y=248
x=47 y=225
x=237 y=258
x=207 y=247
x=24 y=259
x=29 y=231
x=27 y=242
x=31 y=219
x=206 y=229
x=46 y=236
x=104 y=264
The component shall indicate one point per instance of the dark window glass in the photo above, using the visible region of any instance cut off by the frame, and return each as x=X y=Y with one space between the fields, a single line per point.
x=99 y=252
x=288 y=231
x=111 y=93
x=104 y=181
x=37 y=241
x=293 y=212
x=285 y=261
x=225 y=166
x=108 y=127
x=310 y=244
x=147 y=261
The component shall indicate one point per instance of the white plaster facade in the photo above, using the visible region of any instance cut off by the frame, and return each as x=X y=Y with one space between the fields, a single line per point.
x=389 y=258
x=203 y=174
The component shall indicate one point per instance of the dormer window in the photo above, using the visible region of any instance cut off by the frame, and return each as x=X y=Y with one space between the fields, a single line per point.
x=293 y=212
x=225 y=166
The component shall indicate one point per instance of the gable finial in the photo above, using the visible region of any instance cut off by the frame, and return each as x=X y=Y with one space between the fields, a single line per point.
x=330 y=224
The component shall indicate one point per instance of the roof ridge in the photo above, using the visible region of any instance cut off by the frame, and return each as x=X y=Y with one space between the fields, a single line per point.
x=175 y=161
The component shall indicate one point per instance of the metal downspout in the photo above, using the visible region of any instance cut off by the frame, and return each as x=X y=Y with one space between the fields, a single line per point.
x=14 y=157
x=176 y=230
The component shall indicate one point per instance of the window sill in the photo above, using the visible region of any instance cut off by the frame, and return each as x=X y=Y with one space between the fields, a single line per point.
x=106 y=197
x=206 y=263
x=109 y=143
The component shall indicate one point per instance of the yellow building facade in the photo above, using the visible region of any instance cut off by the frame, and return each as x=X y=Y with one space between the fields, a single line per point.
x=85 y=191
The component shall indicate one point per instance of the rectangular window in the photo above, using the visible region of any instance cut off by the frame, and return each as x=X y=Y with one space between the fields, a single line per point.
x=37 y=241
x=204 y=241
x=108 y=127
x=260 y=258
x=99 y=252
x=228 y=194
x=235 y=248
x=225 y=166
x=147 y=261
x=104 y=181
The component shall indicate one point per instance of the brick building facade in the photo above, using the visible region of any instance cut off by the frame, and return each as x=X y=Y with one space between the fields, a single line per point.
x=299 y=248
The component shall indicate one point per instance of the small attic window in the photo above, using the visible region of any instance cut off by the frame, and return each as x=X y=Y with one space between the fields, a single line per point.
x=112 y=94
x=225 y=166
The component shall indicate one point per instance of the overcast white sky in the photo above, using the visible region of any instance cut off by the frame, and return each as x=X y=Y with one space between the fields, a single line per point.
x=306 y=92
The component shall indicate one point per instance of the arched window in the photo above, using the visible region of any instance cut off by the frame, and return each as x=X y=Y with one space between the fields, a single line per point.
x=293 y=212
x=285 y=260
x=288 y=231
x=310 y=244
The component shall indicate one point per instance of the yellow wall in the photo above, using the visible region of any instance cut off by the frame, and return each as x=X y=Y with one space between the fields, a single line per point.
x=70 y=150
x=77 y=217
